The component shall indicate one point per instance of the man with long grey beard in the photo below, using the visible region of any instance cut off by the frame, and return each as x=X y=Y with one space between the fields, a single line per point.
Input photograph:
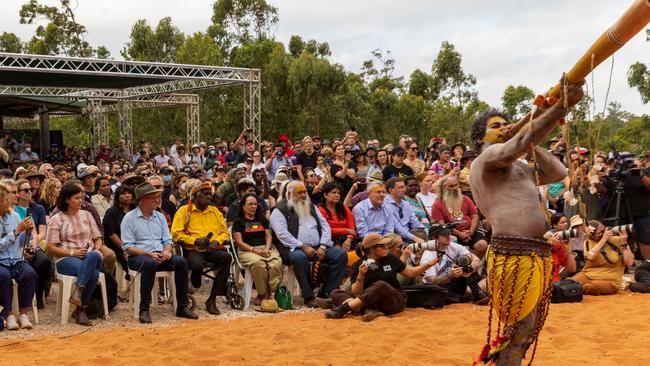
x=302 y=230
x=453 y=206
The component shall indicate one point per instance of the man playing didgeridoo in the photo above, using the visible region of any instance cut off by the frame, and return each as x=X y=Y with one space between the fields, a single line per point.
x=505 y=190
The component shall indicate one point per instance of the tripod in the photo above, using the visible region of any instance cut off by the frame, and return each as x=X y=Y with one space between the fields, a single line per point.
x=620 y=199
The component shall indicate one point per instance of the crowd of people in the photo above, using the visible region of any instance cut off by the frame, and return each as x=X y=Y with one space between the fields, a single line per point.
x=349 y=206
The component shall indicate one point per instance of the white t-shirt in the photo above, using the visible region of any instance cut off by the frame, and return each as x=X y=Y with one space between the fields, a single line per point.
x=427 y=200
x=452 y=252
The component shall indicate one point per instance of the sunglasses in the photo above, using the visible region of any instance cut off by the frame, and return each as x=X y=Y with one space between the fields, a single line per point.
x=414 y=148
x=26 y=190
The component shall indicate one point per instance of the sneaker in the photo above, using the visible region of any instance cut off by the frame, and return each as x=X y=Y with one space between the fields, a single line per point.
x=11 y=323
x=24 y=321
x=370 y=315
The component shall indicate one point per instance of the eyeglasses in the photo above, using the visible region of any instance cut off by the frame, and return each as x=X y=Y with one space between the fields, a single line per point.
x=414 y=148
x=145 y=174
x=26 y=190
x=157 y=186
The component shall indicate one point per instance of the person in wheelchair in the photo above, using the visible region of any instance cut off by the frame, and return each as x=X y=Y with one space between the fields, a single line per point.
x=251 y=232
x=201 y=230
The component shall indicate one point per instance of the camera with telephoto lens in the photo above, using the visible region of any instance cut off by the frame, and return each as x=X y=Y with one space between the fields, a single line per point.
x=564 y=234
x=465 y=263
x=431 y=245
x=371 y=264
x=622 y=229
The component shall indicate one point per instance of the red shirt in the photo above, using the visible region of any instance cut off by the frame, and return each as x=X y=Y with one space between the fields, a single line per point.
x=339 y=227
x=439 y=212
x=560 y=256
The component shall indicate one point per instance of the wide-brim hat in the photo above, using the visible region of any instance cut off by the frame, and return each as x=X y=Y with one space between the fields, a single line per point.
x=458 y=144
x=576 y=220
x=268 y=306
x=376 y=176
x=85 y=173
x=33 y=174
x=133 y=179
x=469 y=154
x=144 y=189
x=374 y=239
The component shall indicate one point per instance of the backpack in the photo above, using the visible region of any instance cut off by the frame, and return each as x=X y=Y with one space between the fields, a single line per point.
x=283 y=298
x=95 y=305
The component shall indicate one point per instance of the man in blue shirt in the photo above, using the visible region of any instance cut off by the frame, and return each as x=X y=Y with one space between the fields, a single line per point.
x=148 y=244
x=406 y=223
x=373 y=215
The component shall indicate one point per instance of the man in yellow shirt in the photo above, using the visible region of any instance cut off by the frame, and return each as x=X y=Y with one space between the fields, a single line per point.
x=201 y=229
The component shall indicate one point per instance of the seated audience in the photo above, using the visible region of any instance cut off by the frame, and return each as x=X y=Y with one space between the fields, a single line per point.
x=453 y=206
x=74 y=239
x=149 y=247
x=201 y=229
x=457 y=268
x=305 y=234
x=252 y=235
x=406 y=223
x=375 y=289
x=13 y=246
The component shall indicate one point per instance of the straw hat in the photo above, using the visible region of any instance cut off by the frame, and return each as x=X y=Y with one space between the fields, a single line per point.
x=576 y=220
x=268 y=306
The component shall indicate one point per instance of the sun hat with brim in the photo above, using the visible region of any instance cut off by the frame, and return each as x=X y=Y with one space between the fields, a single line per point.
x=133 y=179
x=458 y=144
x=376 y=176
x=81 y=167
x=268 y=306
x=144 y=189
x=19 y=170
x=33 y=174
x=576 y=221
x=374 y=239
x=469 y=154
x=395 y=239
x=92 y=169
x=85 y=173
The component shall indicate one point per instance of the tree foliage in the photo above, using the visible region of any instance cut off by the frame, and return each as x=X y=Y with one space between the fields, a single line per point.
x=638 y=76
x=59 y=32
x=516 y=100
x=303 y=91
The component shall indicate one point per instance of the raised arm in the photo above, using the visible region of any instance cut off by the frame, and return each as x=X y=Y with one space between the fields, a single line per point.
x=503 y=155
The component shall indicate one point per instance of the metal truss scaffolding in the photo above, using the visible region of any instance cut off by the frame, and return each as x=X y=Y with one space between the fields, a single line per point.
x=110 y=86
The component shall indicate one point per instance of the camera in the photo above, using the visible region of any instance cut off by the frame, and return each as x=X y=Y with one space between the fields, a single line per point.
x=431 y=245
x=465 y=263
x=362 y=183
x=371 y=264
x=279 y=154
x=622 y=229
x=564 y=235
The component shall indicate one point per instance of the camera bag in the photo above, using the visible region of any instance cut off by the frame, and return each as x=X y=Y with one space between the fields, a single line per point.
x=566 y=291
x=426 y=296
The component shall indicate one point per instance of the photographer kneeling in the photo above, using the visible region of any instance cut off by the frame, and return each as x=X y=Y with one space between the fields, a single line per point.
x=456 y=268
x=375 y=289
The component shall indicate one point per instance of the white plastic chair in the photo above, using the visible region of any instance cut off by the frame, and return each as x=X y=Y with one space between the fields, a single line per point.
x=247 y=290
x=16 y=307
x=134 y=294
x=65 y=289
x=122 y=283
x=291 y=283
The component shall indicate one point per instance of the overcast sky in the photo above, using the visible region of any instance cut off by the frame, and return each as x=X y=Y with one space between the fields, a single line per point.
x=502 y=42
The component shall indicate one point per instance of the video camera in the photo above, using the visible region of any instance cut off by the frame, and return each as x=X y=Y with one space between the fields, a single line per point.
x=622 y=164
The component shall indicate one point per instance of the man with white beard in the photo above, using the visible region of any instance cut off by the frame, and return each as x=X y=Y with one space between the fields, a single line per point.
x=306 y=235
x=453 y=206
